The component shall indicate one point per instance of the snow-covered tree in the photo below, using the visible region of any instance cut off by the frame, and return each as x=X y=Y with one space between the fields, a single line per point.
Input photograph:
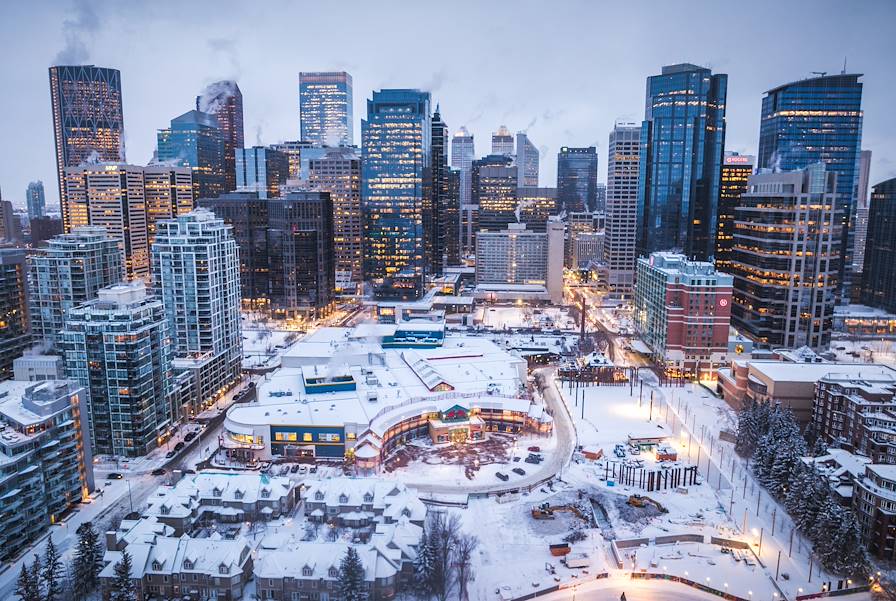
x=352 y=586
x=423 y=567
x=26 y=588
x=87 y=563
x=463 y=563
x=123 y=588
x=747 y=434
x=53 y=572
x=36 y=574
x=837 y=541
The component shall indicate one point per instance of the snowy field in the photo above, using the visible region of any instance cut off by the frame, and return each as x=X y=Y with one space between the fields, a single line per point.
x=865 y=351
x=262 y=346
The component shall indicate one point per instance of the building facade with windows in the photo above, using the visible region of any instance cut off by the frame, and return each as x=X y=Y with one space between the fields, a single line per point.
x=682 y=141
x=879 y=274
x=325 y=105
x=619 y=256
x=261 y=169
x=736 y=170
x=683 y=313
x=577 y=178
x=35 y=200
x=224 y=100
x=195 y=140
x=15 y=329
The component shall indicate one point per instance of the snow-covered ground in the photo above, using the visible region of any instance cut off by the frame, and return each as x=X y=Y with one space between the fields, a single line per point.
x=262 y=346
x=507 y=317
x=865 y=351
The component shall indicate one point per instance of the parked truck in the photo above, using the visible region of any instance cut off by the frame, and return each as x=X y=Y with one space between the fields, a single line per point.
x=576 y=560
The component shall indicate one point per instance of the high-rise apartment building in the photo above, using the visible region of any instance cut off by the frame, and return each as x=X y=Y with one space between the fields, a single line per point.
x=247 y=215
x=879 y=276
x=36 y=200
x=494 y=181
x=10 y=226
x=168 y=192
x=224 y=100
x=325 y=104
x=195 y=268
x=785 y=258
x=682 y=140
x=68 y=272
x=451 y=218
x=577 y=223
x=502 y=141
x=396 y=161
x=516 y=256
x=117 y=346
x=812 y=120
x=683 y=313
x=113 y=196
x=301 y=254
x=339 y=174
x=260 y=169
x=861 y=222
x=15 y=333
x=577 y=178
x=434 y=202
x=736 y=170
x=195 y=140
x=526 y=161
x=88 y=123
x=46 y=455
x=620 y=255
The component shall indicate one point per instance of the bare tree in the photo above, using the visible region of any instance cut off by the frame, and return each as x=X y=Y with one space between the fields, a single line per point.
x=443 y=530
x=463 y=562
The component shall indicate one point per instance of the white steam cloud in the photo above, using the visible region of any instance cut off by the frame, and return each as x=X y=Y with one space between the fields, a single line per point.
x=215 y=95
x=84 y=24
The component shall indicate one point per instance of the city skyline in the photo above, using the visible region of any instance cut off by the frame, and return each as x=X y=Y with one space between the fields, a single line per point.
x=552 y=111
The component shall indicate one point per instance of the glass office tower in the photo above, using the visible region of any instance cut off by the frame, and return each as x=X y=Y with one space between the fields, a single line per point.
x=87 y=119
x=224 y=100
x=395 y=141
x=325 y=104
x=818 y=119
x=194 y=140
x=577 y=179
x=682 y=140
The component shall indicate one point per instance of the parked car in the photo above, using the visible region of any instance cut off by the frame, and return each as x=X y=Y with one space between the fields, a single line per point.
x=170 y=454
x=179 y=446
x=519 y=470
x=502 y=476
x=114 y=476
x=190 y=436
x=535 y=449
x=159 y=471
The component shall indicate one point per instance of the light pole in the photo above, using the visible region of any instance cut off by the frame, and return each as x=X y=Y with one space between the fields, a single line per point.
x=130 y=498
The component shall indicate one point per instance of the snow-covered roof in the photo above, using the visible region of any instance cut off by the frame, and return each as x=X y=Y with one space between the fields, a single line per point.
x=167 y=555
x=392 y=499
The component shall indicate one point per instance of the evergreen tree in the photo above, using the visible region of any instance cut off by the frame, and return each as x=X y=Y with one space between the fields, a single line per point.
x=35 y=573
x=123 y=588
x=52 y=572
x=787 y=450
x=352 y=586
x=423 y=567
x=26 y=588
x=747 y=434
x=88 y=561
x=837 y=542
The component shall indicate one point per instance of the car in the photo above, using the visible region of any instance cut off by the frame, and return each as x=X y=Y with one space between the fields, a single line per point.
x=114 y=476
x=502 y=476
x=535 y=449
x=159 y=471
x=294 y=469
x=519 y=470
x=179 y=446
x=190 y=436
x=532 y=459
x=189 y=471
x=170 y=454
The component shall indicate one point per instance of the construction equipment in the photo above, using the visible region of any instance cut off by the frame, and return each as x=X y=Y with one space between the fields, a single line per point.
x=641 y=501
x=546 y=511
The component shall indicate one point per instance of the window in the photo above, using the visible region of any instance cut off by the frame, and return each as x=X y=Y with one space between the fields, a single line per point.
x=334 y=572
x=223 y=569
x=188 y=565
x=307 y=571
x=319 y=496
x=156 y=566
x=306 y=437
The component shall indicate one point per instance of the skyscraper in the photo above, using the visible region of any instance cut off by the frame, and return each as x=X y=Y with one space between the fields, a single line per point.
x=785 y=258
x=463 y=152
x=293 y=151
x=682 y=140
x=195 y=270
x=194 y=140
x=260 y=169
x=325 y=104
x=118 y=347
x=396 y=161
x=879 y=277
x=87 y=120
x=168 y=192
x=434 y=202
x=224 y=100
x=10 y=227
x=736 y=170
x=451 y=218
x=624 y=153
x=15 y=334
x=600 y=197
x=526 y=161
x=818 y=119
x=495 y=191
x=35 y=200
x=502 y=141
x=535 y=206
x=68 y=272
x=339 y=173
x=247 y=215
x=861 y=222
x=577 y=178
x=301 y=249
x=112 y=196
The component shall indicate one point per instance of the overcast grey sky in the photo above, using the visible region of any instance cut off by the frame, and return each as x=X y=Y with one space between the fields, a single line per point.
x=564 y=70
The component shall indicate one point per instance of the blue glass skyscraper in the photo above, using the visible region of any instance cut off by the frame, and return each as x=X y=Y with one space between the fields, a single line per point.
x=818 y=119
x=395 y=141
x=682 y=142
x=194 y=140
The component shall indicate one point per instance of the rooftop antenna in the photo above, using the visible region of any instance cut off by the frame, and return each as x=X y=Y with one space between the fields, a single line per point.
x=844 y=67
